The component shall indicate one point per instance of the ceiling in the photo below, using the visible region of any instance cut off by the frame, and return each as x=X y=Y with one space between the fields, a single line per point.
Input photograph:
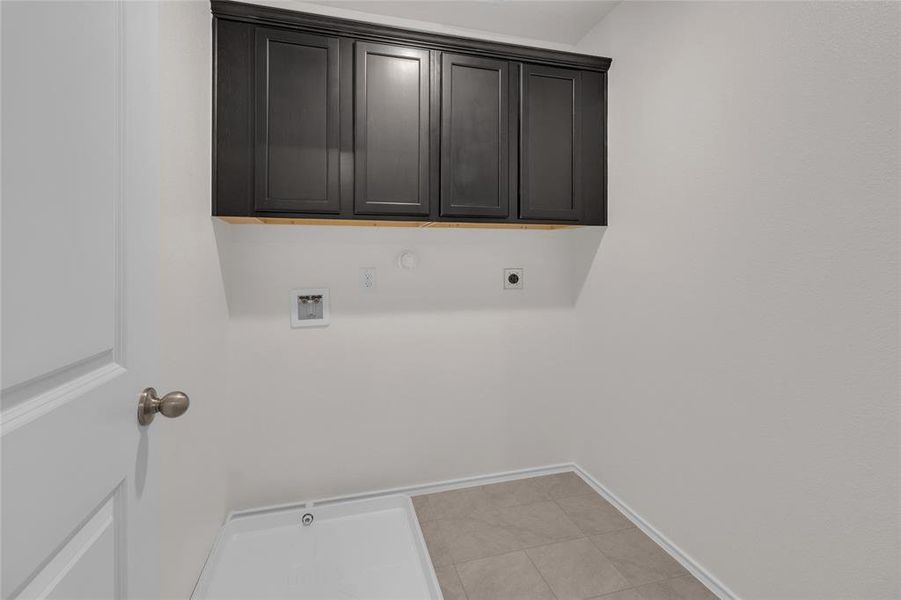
x=558 y=21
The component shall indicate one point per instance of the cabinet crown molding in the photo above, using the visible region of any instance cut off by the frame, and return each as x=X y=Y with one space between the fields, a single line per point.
x=267 y=15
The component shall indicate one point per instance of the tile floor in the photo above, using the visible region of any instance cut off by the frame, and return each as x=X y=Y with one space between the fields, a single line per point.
x=545 y=538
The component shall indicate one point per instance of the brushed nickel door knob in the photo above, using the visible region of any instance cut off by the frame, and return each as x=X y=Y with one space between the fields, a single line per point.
x=173 y=404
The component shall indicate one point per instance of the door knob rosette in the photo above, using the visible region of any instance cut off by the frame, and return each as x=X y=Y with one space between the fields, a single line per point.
x=173 y=404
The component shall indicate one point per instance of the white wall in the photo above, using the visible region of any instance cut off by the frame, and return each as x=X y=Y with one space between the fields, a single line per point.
x=730 y=368
x=741 y=316
x=437 y=374
x=193 y=311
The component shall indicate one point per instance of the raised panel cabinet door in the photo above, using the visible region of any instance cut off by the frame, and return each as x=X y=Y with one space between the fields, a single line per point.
x=550 y=177
x=296 y=166
x=391 y=130
x=474 y=132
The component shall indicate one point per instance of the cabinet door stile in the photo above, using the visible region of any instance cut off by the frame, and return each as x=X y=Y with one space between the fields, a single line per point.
x=550 y=143
x=435 y=133
x=513 y=141
x=391 y=125
x=346 y=100
x=297 y=123
x=475 y=126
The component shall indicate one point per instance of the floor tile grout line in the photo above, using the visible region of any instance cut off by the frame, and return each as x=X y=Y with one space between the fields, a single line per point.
x=591 y=493
x=631 y=524
x=460 y=579
x=568 y=519
x=628 y=587
x=523 y=549
x=586 y=536
x=602 y=596
x=682 y=576
x=540 y=574
x=556 y=501
x=685 y=573
x=614 y=567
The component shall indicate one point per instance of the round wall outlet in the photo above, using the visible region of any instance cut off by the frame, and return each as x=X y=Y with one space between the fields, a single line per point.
x=513 y=279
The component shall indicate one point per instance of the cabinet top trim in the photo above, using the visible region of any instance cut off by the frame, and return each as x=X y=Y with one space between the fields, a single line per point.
x=266 y=15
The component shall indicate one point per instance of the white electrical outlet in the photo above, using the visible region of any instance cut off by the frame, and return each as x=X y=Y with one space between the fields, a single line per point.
x=513 y=279
x=367 y=278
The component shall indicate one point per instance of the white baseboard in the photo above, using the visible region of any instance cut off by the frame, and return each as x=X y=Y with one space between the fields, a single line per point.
x=415 y=490
x=700 y=573
x=705 y=577
x=462 y=482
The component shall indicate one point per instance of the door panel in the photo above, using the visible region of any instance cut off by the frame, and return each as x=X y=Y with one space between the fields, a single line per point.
x=80 y=245
x=474 y=132
x=42 y=294
x=72 y=573
x=296 y=122
x=551 y=146
x=391 y=116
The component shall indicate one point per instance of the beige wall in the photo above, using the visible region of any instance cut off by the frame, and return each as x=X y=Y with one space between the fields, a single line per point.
x=742 y=312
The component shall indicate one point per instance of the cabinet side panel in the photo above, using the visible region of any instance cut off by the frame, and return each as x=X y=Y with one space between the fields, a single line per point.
x=594 y=148
x=233 y=119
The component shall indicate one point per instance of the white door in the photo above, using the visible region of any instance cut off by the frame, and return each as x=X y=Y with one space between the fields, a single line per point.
x=80 y=212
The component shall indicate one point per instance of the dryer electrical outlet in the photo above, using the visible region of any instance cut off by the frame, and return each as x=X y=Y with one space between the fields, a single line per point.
x=513 y=279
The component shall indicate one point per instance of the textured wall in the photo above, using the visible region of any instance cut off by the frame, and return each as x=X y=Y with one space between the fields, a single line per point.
x=730 y=368
x=193 y=311
x=437 y=374
x=742 y=312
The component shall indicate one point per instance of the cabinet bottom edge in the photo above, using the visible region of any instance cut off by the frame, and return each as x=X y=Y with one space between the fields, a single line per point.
x=389 y=223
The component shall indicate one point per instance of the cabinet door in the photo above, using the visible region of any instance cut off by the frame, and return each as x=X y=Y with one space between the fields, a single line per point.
x=391 y=130
x=550 y=178
x=296 y=166
x=474 y=132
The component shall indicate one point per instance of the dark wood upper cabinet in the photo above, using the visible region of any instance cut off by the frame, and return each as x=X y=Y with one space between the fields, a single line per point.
x=550 y=175
x=322 y=118
x=475 y=125
x=296 y=122
x=391 y=130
